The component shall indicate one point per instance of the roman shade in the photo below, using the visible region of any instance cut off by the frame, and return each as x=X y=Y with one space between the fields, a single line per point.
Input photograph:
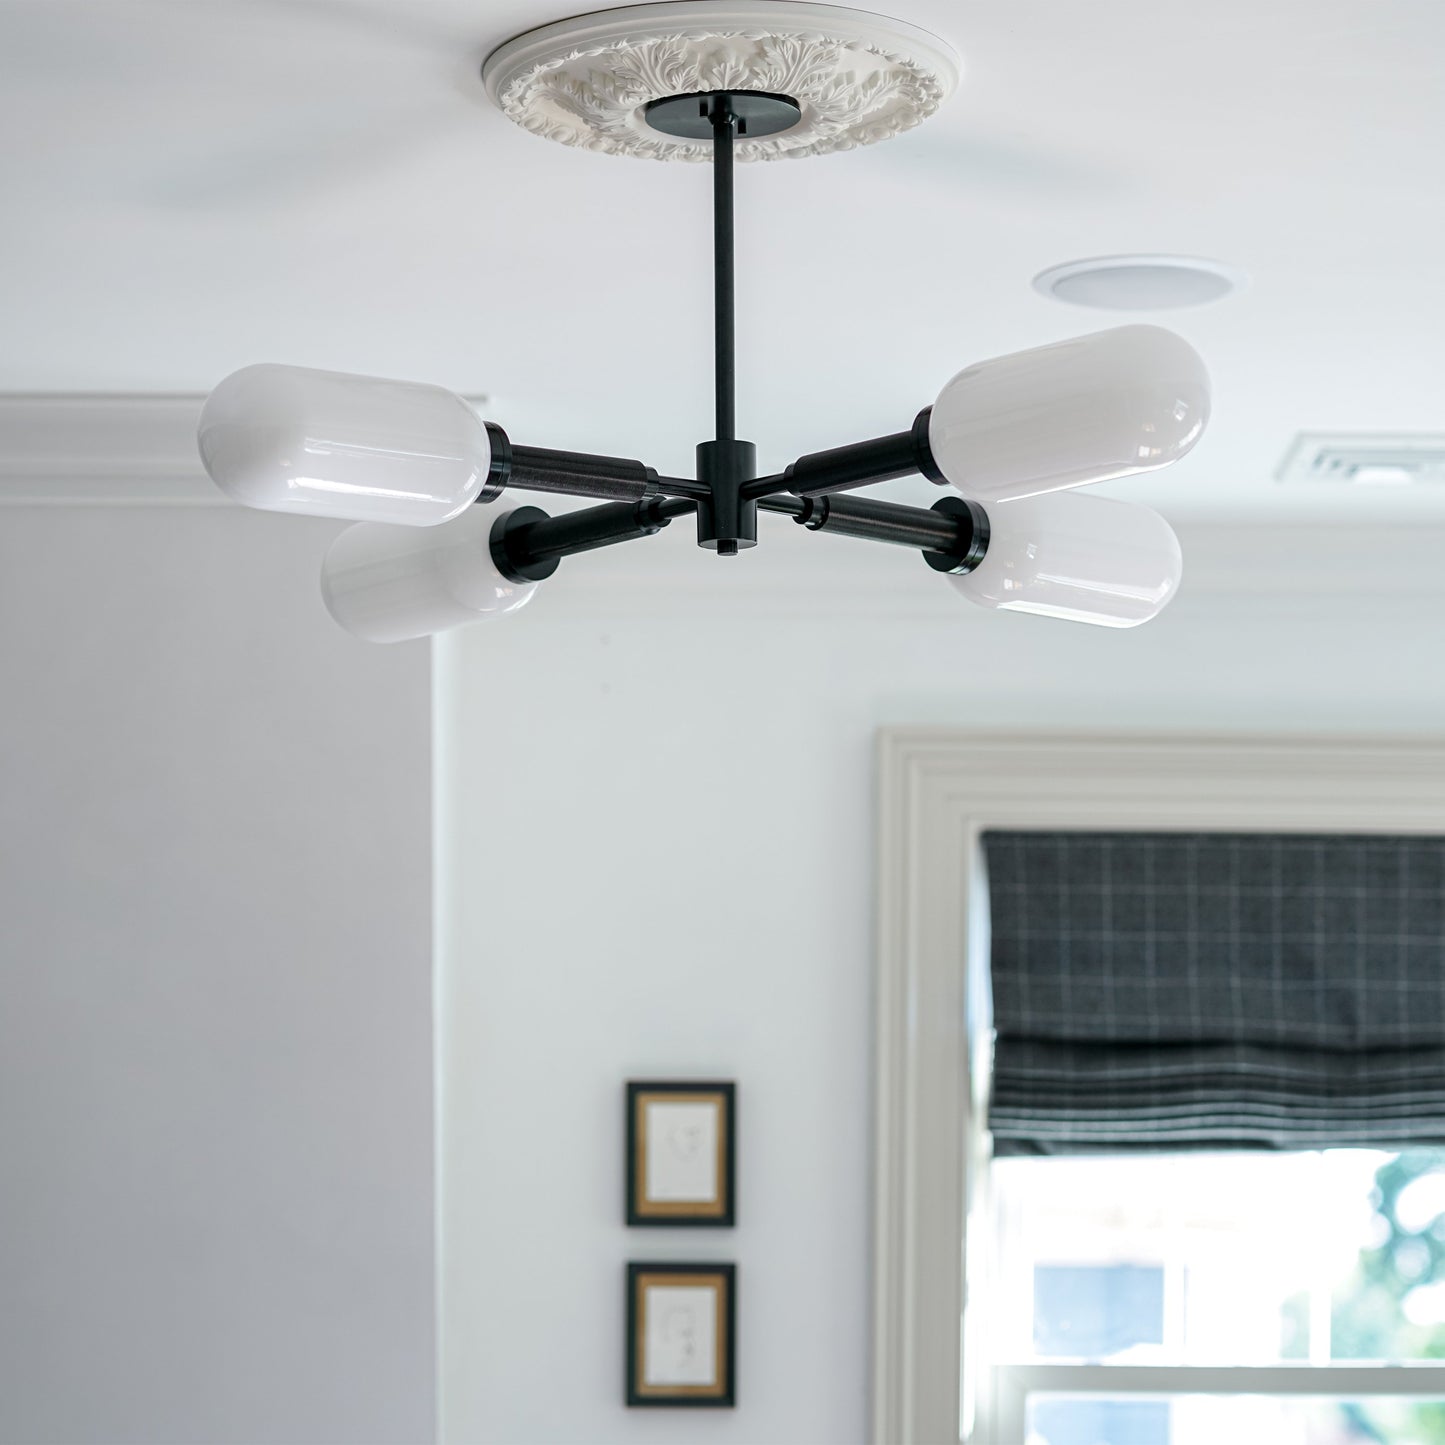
x=1210 y=990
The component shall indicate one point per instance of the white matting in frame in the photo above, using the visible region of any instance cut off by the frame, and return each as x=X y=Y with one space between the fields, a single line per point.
x=680 y=1153
x=681 y=1334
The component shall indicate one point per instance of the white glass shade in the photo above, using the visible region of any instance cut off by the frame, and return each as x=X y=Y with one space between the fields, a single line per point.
x=1087 y=559
x=1101 y=406
x=390 y=584
x=290 y=439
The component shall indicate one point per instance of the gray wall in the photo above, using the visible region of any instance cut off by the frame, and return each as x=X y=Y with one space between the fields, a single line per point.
x=216 y=1199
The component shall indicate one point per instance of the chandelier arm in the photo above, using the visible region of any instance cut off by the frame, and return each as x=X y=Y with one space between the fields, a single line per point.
x=527 y=544
x=858 y=465
x=580 y=474
x=683 y=487
x=953 y=535
x=576 y=474
x=765 y=486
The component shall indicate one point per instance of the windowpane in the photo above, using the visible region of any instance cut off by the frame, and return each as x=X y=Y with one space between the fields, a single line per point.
x=1092 y=1421
x=1230 y=1259
x=1208 y=1420
x=1094 y=1310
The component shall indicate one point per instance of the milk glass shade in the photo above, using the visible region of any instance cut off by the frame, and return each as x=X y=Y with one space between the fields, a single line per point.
x=391 y=584
x=329 y=444
x=1107 y=405
x=1086 y=559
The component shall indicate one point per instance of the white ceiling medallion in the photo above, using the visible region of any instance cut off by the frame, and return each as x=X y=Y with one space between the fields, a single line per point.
x=856 y=77
x=1140 y=283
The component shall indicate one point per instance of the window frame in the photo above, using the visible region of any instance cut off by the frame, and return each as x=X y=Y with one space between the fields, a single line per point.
x=939 y=789
x=1014 y=1384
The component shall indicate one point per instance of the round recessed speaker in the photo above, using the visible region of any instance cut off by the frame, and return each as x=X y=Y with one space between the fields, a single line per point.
x=1139 y=283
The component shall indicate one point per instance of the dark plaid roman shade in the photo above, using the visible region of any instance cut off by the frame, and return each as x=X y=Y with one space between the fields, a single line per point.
x=1213 y=990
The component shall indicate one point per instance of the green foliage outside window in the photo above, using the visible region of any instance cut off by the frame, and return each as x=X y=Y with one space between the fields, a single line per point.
x=1368 y=1318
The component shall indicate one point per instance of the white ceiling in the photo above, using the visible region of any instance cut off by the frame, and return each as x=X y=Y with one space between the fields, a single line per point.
x=189 y=187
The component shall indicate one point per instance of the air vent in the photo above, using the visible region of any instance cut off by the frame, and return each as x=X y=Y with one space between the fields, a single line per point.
x=1364 y=460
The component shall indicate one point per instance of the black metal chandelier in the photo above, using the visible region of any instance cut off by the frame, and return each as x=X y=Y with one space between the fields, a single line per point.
x=420 y=472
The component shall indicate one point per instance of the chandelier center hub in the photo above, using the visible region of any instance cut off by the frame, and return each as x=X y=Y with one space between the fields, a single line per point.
x=757 y=113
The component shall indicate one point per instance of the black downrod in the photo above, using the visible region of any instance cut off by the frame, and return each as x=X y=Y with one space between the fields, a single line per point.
x=726 y=520
x=724 y=348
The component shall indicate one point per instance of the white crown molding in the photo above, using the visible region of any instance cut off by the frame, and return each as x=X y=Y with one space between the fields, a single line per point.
x=140 y=451
x=116 y=451
x=89 y=450
x=585 y=81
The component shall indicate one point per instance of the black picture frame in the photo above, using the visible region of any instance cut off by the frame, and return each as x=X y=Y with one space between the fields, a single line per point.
x=723 y=1394
x=718 y=1213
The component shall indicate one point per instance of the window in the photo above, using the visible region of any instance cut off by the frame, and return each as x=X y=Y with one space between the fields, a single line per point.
x=940 y=791
x=1169 y=992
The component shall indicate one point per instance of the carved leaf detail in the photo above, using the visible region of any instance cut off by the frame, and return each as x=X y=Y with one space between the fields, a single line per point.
x=879 y=87
x=607 y=90
x=722 y=69
x=659 y=67
x=577 y=98
x=793 y=65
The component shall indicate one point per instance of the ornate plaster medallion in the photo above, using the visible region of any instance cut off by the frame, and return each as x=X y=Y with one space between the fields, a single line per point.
x=586 y=81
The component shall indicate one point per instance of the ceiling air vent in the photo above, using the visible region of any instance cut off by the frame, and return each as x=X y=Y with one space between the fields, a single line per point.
x=1364 y=460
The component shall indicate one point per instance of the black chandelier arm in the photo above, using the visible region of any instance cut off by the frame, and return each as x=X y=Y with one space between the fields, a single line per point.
x=952 y=535
x=580 y=474
x=576 y=474
x=861 y=464
x=683 y=487
x=527 y=545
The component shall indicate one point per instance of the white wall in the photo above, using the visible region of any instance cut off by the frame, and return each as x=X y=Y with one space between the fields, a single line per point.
x=216 y=1192
x=656 y=853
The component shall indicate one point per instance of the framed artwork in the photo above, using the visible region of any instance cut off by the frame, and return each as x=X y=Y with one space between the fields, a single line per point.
x=680 y=1154
x=681 y=1335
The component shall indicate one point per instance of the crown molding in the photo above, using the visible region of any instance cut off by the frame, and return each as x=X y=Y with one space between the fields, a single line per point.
x=93 y=450
x=97 y=450
x=140 y=451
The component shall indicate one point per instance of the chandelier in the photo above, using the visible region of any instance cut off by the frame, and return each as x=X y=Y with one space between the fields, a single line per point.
x=424 y=478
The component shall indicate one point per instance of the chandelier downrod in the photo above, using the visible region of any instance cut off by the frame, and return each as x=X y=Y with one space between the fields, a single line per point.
x=726 y=520
x=724 y=131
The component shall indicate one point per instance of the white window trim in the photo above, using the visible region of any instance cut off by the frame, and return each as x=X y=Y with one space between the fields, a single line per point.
x=1013 y=1384
x=939 y=789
